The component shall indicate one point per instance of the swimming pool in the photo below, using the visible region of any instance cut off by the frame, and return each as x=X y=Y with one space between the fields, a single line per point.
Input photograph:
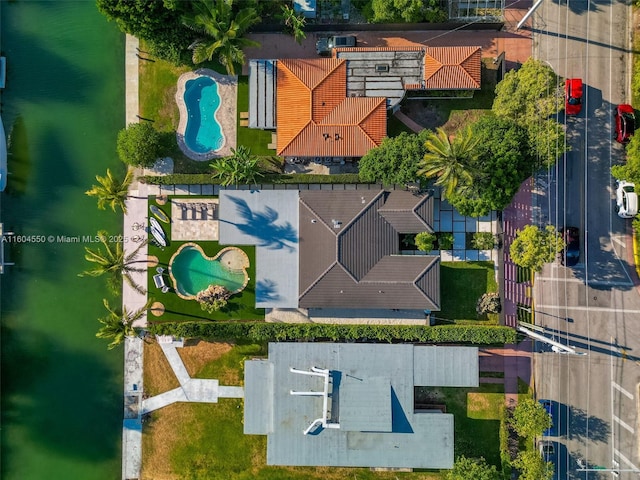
x=192 y=271
x=203 y=133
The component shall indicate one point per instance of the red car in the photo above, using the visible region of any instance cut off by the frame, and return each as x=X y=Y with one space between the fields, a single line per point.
x=573 y=96
x=625 y=123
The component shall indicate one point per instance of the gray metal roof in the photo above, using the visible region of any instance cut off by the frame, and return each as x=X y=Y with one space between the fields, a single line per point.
x=350 y=245
x=372 y=398
x=445 y=366
x=267 y=219
x=258 y=403
x=262 y=94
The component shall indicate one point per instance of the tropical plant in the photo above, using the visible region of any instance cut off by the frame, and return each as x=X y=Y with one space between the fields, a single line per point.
x=395 y=161
x=472 y=469
x=483 y=240
x=112 y=261
x=112 y=191
x=139 y=144
x=240 y=167
x=119 y=325
x=411 y=11
x=529 y=418
x=445 y=240
x=213 y=298
x=450 y=161
x=294 y=23
x=223 y=31
x=532 y=247
x=425 y=241
x=532 y=466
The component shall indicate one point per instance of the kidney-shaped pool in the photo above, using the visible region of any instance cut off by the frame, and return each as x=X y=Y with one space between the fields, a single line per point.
x=203 y=133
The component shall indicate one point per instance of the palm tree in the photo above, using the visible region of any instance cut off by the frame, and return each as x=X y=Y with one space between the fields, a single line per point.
x=294 y=23
x=111 y=191
x=449 y=161
x=240 y=167
x=113 y=262
x=117 y=325
x=223 y=30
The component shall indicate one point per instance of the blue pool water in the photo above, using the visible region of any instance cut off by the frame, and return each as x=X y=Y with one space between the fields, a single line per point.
x=194 y=272
x=203 y=133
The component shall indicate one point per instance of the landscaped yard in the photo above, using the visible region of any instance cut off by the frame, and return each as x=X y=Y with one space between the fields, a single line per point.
x=241 y=306
x=461 y=285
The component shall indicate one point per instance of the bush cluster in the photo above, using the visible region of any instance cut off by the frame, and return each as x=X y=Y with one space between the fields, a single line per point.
x=207 y=179
x=267 y=332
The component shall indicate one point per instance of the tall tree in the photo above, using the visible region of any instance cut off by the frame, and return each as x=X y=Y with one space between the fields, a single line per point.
x=472 y=469
x=449 y=161
x=502 y=161
x=112 y=191
x=294 y=23
x=630 y=171
x=223 y=31
x=139 y=144
x=112 y=261
x=532 y=247
x=240 y=167
x=118 y=325
x=530 y=418
x=395 y=161
x=532 y=466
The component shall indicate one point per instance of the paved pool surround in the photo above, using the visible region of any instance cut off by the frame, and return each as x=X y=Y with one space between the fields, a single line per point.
x=226 y=114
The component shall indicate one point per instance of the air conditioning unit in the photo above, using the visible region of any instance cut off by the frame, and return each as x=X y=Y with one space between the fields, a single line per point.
x=382 y=68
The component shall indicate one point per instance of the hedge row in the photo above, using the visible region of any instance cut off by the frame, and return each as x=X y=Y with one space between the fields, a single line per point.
x=262 y=331
x=207 y=178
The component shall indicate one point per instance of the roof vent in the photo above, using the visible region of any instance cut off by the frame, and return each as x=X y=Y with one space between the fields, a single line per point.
x=336 y=223
x=382 y=68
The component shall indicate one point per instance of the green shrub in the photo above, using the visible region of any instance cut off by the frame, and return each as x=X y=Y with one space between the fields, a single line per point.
x=483 y=241
x=425 y=241
x=269 y=332
x=206 y=179
x=445 y=241
x=139 y=144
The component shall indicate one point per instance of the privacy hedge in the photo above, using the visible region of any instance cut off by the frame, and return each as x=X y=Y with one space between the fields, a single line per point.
x=261 y=331
x=207 y=178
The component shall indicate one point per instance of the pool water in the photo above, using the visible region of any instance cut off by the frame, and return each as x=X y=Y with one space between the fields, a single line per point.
x=194 y=272
x=203 y=133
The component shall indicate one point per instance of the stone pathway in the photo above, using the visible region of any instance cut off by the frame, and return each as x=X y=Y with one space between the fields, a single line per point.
x=514 y=361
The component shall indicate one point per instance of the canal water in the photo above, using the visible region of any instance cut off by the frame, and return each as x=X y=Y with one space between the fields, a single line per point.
x=63 y=105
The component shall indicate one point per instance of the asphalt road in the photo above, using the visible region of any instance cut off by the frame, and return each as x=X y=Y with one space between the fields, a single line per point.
x=594 y=305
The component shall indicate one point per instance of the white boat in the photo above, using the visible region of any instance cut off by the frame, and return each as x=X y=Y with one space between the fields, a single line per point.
x=157 y=232
x=3 y=158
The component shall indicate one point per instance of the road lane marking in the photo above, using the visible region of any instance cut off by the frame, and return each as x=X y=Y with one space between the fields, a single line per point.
x=591 y=309
x=622 y=424
x=596 y=283
x=624 y=459
x=560 y=279
x=622 y=390
x=618 y=241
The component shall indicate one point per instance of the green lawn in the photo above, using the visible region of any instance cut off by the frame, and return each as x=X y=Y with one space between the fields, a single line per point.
x=241 y=306
x=477 y=413
x=253 y=138
x=461 y=285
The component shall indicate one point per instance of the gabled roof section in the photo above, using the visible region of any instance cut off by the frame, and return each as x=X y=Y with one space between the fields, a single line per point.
x=452 y=68
x=314 y=116
x=405 y=215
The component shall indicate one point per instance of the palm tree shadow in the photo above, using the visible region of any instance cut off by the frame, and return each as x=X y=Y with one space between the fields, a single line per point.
x=267 y=291
x=262 y=226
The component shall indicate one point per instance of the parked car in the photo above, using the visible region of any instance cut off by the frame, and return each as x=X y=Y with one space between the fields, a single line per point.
x=625 y=123
x=573 y=96
x=626 y=199
x=549 y=454
x=571 y=253
x=548 y=406
x=326 y=44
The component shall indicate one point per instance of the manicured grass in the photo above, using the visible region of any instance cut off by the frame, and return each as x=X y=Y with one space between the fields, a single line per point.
x=253 y=138
x=206 y=441
x=241 y=305
x=461 y=285
x=477 y=413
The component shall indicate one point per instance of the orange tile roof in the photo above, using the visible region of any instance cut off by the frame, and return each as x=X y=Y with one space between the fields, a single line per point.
x=452 y=68
x=315 y=118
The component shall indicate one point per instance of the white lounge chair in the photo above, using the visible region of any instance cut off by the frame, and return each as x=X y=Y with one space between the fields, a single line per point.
x=158 y=280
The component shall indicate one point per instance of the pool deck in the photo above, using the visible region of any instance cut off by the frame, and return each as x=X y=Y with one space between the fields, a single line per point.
x=226 y=114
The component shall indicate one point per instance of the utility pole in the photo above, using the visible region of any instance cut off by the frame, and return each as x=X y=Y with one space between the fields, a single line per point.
x=528 y=14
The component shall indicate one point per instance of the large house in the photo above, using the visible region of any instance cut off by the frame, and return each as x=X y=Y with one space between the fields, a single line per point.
x=353 y=405
x=334 y=248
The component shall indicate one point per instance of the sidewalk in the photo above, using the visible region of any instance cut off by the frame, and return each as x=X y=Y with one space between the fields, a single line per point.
x=514 y=361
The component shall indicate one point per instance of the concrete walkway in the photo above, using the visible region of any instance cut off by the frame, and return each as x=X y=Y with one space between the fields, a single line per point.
x=514 y=361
